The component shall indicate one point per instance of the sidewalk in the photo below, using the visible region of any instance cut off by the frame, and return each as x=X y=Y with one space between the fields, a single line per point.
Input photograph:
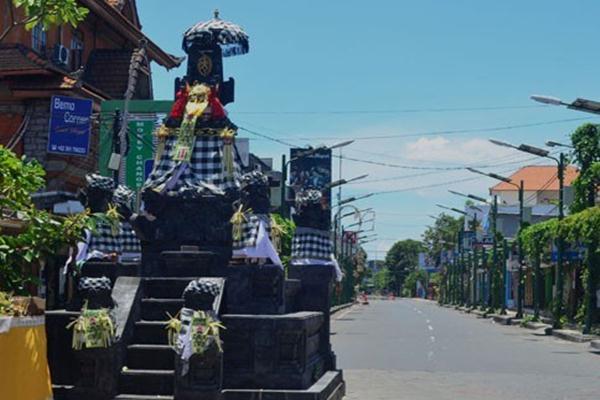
x=543 y=328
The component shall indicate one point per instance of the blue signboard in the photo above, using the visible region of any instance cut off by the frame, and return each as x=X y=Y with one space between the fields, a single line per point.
x=69 y=126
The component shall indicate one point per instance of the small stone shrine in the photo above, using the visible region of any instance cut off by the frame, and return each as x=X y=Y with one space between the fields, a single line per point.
x=211 y=314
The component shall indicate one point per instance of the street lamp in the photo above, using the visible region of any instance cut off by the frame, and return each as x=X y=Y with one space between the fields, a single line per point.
x=469 y=196
x=340 y=182
x=579 y=104
x=494 y=206
x=352 y=199
x=284 y=167
x=558 y=306
x=552 y=143
x=521 y=288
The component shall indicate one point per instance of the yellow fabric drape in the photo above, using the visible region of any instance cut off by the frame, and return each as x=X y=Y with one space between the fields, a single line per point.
x=24 y=373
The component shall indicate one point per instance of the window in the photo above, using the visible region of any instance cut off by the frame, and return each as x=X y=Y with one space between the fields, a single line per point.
x=38 y=38
x=76 y=50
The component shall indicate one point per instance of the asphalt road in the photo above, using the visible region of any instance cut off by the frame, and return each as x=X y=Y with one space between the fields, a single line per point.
x=414 y=349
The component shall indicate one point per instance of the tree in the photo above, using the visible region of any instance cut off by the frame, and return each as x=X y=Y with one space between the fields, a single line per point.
x=40 y=234
x=409 y=287
x=45 y=12
x=382 y=279
x=401 y=259
x=442 y=236
x=586 y=152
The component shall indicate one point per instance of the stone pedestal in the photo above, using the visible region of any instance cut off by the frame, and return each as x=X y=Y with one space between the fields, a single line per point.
x=172 y=222
x=255 y=289
x=273 y=351
x=96 y=376
x=204 y=378
x=315 y=295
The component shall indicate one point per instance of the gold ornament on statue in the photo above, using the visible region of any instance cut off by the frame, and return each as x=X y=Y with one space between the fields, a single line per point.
x=204 y=65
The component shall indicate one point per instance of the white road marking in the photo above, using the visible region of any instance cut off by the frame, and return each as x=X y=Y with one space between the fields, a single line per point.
x=432 y=338
x=430 y=327
x=427 y=321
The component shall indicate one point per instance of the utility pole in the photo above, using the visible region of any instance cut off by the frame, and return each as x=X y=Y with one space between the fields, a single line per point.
x=283 y=187
x=503 y=285
x=493 y=270
x=521 y=286
x=558 y=302
x=117 y=123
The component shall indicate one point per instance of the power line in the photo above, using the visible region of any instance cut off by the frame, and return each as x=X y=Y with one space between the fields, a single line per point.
x=388 y=111
x=442 y=132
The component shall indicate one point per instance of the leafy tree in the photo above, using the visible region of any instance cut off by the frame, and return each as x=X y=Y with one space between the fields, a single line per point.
x=401 y=259
x=409 y=288
x=45 y=12
x=41 y=234
x=382 y=279
x=442 y=236
x=282 y=230
x=586 y=152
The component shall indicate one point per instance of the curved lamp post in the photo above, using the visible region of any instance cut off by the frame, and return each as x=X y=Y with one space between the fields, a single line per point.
x=558 y=300
x=521 y=286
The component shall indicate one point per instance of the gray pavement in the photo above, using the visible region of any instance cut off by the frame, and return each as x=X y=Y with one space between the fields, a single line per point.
x=414 y=349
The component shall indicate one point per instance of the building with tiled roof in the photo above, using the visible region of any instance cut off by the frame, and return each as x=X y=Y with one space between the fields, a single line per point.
x=90 y=61
x=540 y=184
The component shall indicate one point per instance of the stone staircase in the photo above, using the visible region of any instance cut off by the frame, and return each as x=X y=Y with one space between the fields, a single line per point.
x=150 y=369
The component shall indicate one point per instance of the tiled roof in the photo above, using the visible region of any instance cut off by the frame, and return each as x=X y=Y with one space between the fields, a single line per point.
x=108 y=70
x=538 y=177
x=19 y=58
x=45 y=82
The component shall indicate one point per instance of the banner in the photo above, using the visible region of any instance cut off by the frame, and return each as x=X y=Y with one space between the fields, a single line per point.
x=140 y=157
x=311 y=171
x=69 y=131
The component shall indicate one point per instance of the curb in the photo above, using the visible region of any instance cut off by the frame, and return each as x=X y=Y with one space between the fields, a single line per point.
x=340 y=307
x=595 y=344
x=573 y=336
x=540 y=328
x=502 y=319
x=480 y=314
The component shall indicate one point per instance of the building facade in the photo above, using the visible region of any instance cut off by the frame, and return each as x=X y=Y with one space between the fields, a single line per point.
x=91 y=61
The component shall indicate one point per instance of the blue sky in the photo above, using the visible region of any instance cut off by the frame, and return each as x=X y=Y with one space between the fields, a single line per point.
x=322 y=71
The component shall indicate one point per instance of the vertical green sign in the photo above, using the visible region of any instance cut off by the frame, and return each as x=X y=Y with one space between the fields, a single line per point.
x=139 y=158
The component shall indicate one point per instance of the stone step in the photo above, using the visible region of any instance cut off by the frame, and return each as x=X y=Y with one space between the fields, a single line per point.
x=142 y=397
x=150 y=332
x=150 y=356
x=157 y=309
x=166 y=288
x=147 y=382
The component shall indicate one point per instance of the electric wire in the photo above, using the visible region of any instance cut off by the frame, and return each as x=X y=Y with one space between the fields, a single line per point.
x=389 y=111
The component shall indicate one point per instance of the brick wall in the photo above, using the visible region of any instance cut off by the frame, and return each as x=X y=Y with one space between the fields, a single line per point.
x=11 y=116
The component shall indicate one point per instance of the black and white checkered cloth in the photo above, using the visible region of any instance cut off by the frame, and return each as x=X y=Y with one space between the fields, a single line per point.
x=100 y=182
x=103 y=240
x=250 y=230
x=205 y=167
x=128 y=239
x=311 y=243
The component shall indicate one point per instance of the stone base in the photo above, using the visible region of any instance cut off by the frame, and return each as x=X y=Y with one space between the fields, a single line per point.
x=254 y=289
x=330 y=386
x=177 y=263
x=273 y=351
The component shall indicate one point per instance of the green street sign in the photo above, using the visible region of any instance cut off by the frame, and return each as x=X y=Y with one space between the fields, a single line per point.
x=139 y=159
